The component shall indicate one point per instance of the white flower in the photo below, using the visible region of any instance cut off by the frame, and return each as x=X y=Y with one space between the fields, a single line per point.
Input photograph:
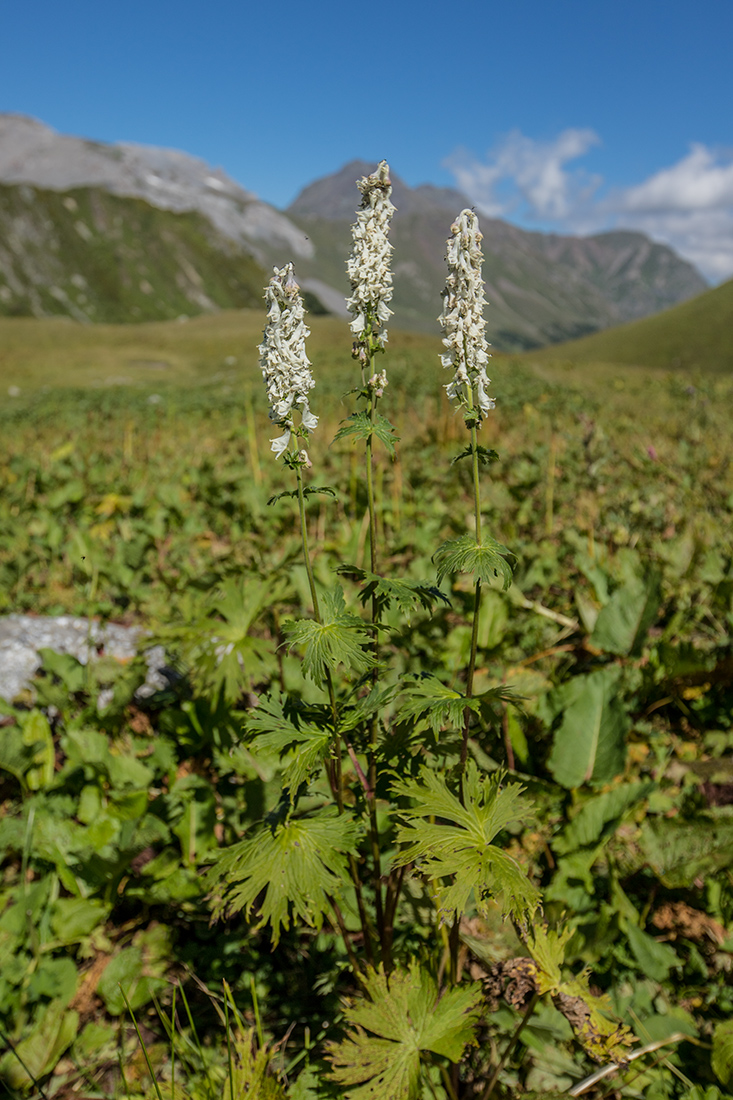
x=462 y=319
x=283 y=361
x=368 y=265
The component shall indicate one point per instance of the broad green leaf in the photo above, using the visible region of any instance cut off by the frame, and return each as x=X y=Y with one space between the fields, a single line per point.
x=404 y=1016
x=600 y=816
x=590 y=744
x=485 y=560
x=16 y=757
x=462 y=852
x=339 y=639
x=54 y=1030
x=298 y=863
x=655 y=959
x=722 y=1060
x=681 y=851
x=622 y=624
x=302 y=745
x=37 y=735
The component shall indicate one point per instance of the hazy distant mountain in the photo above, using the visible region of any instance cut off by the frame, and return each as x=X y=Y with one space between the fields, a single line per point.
x=542 y=288
x=115 y=232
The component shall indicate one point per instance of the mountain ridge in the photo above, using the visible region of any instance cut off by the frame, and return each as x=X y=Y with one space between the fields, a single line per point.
x=542 y=288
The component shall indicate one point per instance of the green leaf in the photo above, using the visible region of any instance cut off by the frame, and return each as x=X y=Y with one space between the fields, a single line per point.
x=622 y=624
x=53 y=1032
x=296 y=863
x=403 y=1017
x=681 y=851
x=655 y=959
x=307 y=745
x=439 y=705
x=485 y=560
x=462 y=852
x=407 y=595
x=600 y=816
x=722 y=1060
x=589 y=1015
x=337 y=640
x=485 y=456
x=308 y=491
x=360 y=425
x=590 y=744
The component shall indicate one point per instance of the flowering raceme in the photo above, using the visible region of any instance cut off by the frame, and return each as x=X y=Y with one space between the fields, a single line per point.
x=462 y=319
x=283 y=361
x=368 y=265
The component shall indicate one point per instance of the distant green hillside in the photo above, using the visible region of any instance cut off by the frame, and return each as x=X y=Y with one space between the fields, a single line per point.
x=698 y=334
x=95 y=256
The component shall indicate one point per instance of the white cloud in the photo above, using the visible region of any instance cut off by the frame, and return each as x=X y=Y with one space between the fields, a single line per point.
x=688 y=205
x=521 y=172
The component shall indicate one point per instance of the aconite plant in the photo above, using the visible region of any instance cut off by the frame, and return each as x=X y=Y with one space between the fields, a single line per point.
x=389 y=833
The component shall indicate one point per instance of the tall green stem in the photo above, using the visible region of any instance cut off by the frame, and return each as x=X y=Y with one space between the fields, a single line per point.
x=476 y=605
x=335 y=776
x=374 y=722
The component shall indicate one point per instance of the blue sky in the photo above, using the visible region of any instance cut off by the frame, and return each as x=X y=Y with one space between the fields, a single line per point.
x=571 y=116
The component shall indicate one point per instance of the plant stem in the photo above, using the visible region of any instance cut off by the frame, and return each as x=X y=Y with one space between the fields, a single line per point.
x=374 y=721
x=335 y=781
x=476 y=610
x=510 y=1047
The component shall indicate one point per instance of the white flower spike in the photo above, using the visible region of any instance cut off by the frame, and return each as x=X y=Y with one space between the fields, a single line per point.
x=368 y=265
x=283 y=361
x=463 y=321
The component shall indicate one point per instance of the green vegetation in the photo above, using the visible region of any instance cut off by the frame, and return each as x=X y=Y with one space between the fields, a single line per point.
x=94 y=256
x=696 y=335
x=445 y=748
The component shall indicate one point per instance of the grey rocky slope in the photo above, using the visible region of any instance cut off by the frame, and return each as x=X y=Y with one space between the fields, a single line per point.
x=31 y=152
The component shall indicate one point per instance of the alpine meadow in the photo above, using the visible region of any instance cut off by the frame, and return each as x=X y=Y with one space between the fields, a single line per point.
x=436 y=801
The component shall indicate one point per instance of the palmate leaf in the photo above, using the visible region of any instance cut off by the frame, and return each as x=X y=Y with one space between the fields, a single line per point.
x=308 y=491
x=407 y=595
x=337 y=640
x=603 y=1038
x=485 y=456
x=360 y=425
x=462 y=852
x=296 y=863
x=304 y=744
x=440 y=705
x=405 y=1016
x=485 y=560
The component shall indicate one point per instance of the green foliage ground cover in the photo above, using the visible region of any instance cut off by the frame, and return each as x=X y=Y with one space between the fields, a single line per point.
x=614 y=491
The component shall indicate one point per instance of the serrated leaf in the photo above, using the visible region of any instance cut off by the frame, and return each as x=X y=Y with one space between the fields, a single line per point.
x=590 y=743
x=337 y=640
x=407 y=595
x=308 y=491
x=440 y=705
x=305 y=744
x=722 y=1059
x=462 y=852
x=484 y=560
x=405 y=1016
x=360 y=425
x=294 y=864
x=655 y=959
x=485 y=456
x=602 y=1037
